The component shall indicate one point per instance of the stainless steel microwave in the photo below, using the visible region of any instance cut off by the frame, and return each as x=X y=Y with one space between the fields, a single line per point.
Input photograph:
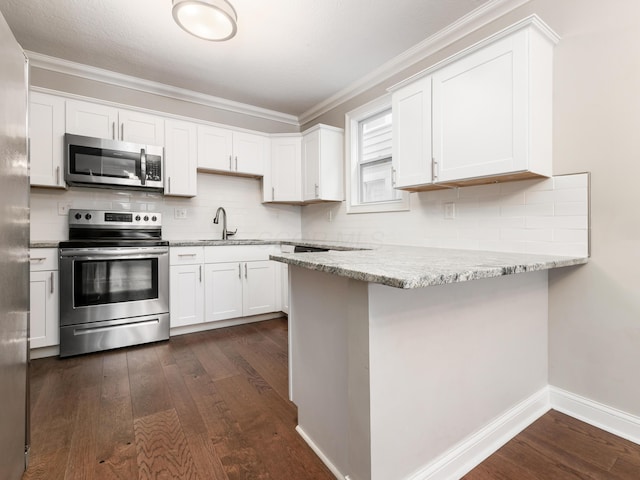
x=101 y=162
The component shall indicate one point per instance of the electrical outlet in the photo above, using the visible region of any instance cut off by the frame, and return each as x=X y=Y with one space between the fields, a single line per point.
x=63 y=208
x=449 y=210
x=181 y=213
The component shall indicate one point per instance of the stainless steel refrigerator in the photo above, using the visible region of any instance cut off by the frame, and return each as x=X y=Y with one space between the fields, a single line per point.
x=14 y=256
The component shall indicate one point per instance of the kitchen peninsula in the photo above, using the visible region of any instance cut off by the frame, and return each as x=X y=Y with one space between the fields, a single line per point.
x=410 y=362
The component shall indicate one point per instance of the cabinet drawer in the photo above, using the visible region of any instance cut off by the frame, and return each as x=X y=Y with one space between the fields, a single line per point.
x=186 y=255
x=241 y=253
x=42 y=259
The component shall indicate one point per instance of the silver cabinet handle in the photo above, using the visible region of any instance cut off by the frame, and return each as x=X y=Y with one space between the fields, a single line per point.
x=187 y=254
x=37 y=259
x=122 y=131
x=273 y=193
x=169 y=184
x=317 y=194
x=245 y=271
x=393 y=177
x=58 y=175
x=51 y=288
x=434 y=169
x=230 y=163
x=200 y=269
x=113 y=130
x=236 y=163
x=240 y=271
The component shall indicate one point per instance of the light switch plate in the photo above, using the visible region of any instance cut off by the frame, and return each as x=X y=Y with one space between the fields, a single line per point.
x=181 y=213
x=449 y=210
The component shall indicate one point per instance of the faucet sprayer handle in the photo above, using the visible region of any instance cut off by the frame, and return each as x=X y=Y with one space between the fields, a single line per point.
x=232 y=233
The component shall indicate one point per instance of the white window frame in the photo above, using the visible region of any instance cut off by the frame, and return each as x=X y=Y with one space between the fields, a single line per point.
x=352 y=174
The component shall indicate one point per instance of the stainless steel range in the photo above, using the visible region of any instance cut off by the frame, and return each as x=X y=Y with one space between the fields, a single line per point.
x=114 y=281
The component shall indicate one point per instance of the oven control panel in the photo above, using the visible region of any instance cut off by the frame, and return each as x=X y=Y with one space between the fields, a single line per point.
x=114 y=219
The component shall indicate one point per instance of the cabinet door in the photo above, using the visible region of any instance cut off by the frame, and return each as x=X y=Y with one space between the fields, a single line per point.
x=46 y=140
x=286 y=163
x=44 y=320
x=215 y=148
x=186 y=287
x=259 y=292
x=480 y=112
x=91 y=119
x=142 y=128
x=223 y=297
x=249 y=153
x=411 y=107
x=180 y=162
x=311 y=166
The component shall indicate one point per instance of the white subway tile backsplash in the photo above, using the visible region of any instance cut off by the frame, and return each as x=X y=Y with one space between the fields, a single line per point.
x=537 y=216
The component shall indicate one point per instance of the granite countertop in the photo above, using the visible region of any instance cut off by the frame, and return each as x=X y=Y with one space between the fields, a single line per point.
x=416 y=267
x=244 y=241
x=44 y=244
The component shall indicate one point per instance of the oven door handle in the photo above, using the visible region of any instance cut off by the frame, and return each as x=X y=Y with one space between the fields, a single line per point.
x=131 y=253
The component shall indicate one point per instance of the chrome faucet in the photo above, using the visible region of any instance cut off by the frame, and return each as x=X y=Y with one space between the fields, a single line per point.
x=225 y=232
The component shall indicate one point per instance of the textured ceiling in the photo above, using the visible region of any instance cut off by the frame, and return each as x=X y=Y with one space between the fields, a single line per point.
x=287 y=56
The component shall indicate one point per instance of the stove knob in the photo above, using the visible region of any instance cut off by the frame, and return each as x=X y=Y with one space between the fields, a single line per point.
x=78 y=216
x=146 y=218
x=88 y=216
x=137 y=218
x=154 y=218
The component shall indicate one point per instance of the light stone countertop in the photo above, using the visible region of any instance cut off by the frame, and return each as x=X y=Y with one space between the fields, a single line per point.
x=44 y=244
x=395 y=266
x=417 y=267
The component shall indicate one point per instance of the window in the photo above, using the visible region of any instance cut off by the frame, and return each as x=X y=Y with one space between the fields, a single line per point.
x=369 y=160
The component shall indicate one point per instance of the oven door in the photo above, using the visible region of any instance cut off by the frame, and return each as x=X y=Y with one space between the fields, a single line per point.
x=110 y=283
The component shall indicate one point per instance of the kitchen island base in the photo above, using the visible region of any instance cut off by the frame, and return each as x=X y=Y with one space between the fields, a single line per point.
x=389 y=382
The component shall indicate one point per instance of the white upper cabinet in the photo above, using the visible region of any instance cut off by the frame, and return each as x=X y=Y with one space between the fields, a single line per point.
x=228 y=151
x=140 y=127
x=323 y=164
x=411 y=107
x=283 y=180
x=46 y=140
x=91 y=119
x=215 y=148
x=102 y=121
x=491 y=113
x=180 y=158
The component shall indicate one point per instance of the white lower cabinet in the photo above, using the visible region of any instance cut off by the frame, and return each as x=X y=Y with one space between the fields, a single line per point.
x=224 y=291
x=209 y=284
x=44 y=314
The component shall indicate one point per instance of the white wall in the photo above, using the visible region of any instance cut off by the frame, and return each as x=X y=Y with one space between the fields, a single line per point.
x=594 y=310
x=241 y=197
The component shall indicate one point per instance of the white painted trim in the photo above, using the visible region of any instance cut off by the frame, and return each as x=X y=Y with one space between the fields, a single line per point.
x=202 y=327
x=467 y=454
x=66 y=67
x=320 y=454
x=165 y=115
x=531 y=20
x=597 y=414
x=43 y=352
x=478 y=18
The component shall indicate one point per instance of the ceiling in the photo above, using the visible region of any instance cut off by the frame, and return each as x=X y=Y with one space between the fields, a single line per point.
x=288 y=55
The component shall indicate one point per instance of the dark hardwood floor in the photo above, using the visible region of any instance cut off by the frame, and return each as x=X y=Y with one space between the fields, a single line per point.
x=210 y=406
x=559 y=447
x=213 y=406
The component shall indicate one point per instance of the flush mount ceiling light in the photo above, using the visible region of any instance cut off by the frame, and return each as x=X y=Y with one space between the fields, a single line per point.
x=213 y=20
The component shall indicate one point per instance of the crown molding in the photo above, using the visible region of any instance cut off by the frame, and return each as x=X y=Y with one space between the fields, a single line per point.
x=481 y=16
x=66 y=67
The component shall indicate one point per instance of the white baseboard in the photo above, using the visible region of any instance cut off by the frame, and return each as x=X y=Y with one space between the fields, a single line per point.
x=597 y=414
x=467 y=454
x=320 y=454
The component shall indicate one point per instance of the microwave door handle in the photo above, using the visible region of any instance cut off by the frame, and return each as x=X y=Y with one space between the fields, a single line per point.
x=143 y=166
